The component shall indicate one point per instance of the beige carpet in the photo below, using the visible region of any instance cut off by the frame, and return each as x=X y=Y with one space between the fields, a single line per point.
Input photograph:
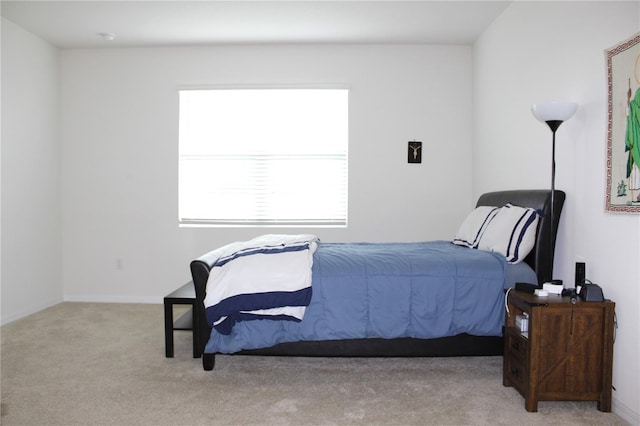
x=91 y=364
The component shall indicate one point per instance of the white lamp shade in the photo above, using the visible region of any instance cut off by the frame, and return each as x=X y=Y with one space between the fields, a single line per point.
x=554 y=111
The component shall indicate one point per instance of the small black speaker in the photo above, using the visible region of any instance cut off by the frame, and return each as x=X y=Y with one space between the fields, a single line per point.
x=580 y=273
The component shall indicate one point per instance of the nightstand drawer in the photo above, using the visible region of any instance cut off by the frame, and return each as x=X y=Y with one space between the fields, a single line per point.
x=515 y=371
x=517 y=346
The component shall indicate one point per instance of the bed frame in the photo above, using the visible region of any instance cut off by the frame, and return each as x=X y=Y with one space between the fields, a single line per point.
x=540 y=259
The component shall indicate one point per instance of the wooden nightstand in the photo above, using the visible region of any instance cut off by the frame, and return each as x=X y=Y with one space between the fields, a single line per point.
x=565 y=353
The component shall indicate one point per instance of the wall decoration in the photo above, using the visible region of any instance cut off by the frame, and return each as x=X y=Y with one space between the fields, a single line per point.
x=414 y=153
x=623 y=127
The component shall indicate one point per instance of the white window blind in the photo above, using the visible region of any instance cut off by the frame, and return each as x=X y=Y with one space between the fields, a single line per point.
x=260 y=157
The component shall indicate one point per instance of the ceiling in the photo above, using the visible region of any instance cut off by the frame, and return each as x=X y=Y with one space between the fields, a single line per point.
x=78 y=24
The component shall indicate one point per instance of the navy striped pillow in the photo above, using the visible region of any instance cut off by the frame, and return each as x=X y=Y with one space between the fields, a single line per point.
x=511 y=232
x=473 y=226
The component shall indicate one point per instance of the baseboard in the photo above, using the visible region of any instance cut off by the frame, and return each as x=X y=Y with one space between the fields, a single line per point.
x=77 y=298
x=114 y=299
x=627 y=413
x=27 y=312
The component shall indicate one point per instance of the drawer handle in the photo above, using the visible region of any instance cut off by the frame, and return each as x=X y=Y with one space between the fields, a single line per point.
x=515 y=345
x=515 y=372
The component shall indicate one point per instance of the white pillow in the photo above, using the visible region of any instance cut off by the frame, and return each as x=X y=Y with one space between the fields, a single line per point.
x=471 y=229
x=511 y=232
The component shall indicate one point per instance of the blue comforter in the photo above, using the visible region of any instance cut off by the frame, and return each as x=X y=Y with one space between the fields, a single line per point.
x=388 y=290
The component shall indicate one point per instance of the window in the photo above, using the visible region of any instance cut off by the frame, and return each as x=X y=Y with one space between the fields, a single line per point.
x=261 y=157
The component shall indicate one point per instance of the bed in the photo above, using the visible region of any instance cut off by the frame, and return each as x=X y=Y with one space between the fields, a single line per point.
x=447 y=303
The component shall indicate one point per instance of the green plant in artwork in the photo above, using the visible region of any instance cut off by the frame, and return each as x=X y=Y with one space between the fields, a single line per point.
x=632 y=143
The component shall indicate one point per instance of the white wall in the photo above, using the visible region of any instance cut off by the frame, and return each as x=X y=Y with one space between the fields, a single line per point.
x=119 y=152
x=31 y=224
x=537 y=51
x=119 y=144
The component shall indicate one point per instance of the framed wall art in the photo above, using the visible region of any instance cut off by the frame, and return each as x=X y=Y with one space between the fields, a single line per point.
x=623 y=127
x=414 y=152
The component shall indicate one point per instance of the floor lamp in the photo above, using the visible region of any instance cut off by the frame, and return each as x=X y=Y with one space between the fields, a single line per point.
x=554 y=114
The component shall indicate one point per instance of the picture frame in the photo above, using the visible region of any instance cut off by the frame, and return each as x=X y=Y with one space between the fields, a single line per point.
x=414 y=152
x=623 y=127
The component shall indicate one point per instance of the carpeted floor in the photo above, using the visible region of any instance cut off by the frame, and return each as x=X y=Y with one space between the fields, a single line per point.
x=104 y=364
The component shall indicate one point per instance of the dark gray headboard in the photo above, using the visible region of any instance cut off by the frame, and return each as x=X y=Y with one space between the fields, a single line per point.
x=541 y=257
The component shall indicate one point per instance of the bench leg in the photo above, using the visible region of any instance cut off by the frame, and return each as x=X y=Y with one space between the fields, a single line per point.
x=168 y=329
x=195 y=333
x=208 y=361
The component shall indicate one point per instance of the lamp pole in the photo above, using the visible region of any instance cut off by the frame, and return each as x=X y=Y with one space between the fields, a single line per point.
x=554 y=114
x=553 y=125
